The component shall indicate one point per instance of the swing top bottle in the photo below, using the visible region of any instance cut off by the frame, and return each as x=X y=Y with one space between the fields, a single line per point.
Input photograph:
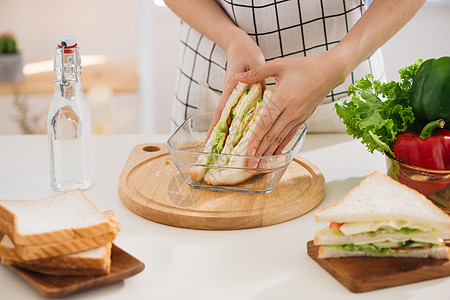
x=69 y=124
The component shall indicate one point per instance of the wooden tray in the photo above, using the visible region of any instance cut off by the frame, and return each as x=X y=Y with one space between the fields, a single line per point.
x=363 y=274
x=151 y=186
x=123 y=266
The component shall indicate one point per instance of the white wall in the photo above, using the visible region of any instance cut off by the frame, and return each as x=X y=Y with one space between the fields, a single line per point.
x=426 y=36
x=165 y=31
x=111 y=27
x=108 y=27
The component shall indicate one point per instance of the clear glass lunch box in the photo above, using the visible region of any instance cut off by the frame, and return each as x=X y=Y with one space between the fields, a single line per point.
x=187 y=143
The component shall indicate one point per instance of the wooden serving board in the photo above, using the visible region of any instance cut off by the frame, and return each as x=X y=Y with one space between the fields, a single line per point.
x=123 y=266
x=363 y=274
x=151 y=186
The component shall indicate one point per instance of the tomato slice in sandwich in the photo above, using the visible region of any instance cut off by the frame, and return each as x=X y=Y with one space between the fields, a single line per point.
x=336 y=226
x=250 y=118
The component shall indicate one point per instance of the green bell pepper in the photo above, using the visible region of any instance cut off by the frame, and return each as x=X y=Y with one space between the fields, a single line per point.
x=430 y=92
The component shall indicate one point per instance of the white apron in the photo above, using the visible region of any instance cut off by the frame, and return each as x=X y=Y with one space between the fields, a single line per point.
x=281 y=28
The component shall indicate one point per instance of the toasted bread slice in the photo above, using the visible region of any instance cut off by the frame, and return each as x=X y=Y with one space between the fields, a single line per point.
x=10 y=250
x=438 y=252
x=26 y=253
x=97 y=261
x=63 y=217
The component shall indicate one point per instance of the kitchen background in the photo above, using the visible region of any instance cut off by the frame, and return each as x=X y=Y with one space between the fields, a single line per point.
x=130 y=53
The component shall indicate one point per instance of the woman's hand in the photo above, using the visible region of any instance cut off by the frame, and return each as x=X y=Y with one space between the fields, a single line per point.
x=242 y=55
x=301 y=85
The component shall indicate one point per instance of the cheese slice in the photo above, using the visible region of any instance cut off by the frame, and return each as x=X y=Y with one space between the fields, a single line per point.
x=392 y=238
x=327 y=236
x=360 y=227
x=390 y=244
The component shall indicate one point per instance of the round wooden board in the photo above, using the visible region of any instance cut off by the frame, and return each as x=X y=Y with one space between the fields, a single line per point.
x=151 y=186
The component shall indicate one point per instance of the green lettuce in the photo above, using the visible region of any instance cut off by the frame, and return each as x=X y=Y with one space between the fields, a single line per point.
x=371 y=248
x=403 y=230
x=244 y=120
x=378 y=111
x=221 y=131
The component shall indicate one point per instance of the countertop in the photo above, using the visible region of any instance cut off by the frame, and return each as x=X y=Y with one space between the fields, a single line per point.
x=262 y=263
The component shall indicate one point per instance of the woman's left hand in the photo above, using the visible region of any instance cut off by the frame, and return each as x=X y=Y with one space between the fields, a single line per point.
x=301 y=85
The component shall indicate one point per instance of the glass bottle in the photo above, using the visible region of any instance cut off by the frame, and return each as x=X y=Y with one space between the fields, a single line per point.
x=69 y=123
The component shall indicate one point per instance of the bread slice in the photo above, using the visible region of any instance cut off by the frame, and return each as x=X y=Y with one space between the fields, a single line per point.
x=438 y=252
x=55 y=249
x=63 y=217
x=33 y=252
x=95 y=261
x=379 y=197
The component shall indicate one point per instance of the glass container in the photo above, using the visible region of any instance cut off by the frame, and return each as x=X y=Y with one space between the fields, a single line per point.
x=434 y=184
x=187 y=143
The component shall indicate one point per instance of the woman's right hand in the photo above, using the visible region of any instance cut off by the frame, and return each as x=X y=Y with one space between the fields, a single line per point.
x=243 y=54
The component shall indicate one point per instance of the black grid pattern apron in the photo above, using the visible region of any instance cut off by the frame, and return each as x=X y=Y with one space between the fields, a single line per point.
x=281 y=28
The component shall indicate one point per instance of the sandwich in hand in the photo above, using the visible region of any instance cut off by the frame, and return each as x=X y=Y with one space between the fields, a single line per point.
x=382 y=217
x=231 y=135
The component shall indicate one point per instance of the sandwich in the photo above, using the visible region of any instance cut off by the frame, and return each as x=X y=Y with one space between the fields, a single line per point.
x=383 y=218
x=224 y=161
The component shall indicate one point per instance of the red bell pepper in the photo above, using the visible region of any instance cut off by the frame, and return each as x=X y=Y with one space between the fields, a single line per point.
x=430 y=149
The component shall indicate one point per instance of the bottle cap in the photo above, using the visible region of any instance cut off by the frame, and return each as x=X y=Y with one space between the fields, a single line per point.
x=70 y=40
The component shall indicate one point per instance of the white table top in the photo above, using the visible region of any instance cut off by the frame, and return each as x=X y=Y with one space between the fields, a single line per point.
x=263 y=263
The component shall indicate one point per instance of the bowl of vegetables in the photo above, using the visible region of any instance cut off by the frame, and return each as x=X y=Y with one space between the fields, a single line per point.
x=435 y=184
x=409 y=122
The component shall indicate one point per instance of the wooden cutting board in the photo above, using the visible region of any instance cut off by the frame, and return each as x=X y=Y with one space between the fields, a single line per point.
x=123 y=266
x=363 y=274
x=151 y=186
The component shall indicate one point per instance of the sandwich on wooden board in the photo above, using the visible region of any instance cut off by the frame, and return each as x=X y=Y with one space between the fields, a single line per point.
x=383 y=218
x=225 y=163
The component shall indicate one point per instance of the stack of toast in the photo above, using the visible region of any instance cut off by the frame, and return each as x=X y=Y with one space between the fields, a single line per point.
x=65 y=234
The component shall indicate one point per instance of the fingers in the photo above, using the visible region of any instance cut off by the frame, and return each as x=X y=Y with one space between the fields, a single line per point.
x=287 y=139
x=272 y=140
x=264 y=125
x=273 y=145
x=262 y=133
x=258 y=74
